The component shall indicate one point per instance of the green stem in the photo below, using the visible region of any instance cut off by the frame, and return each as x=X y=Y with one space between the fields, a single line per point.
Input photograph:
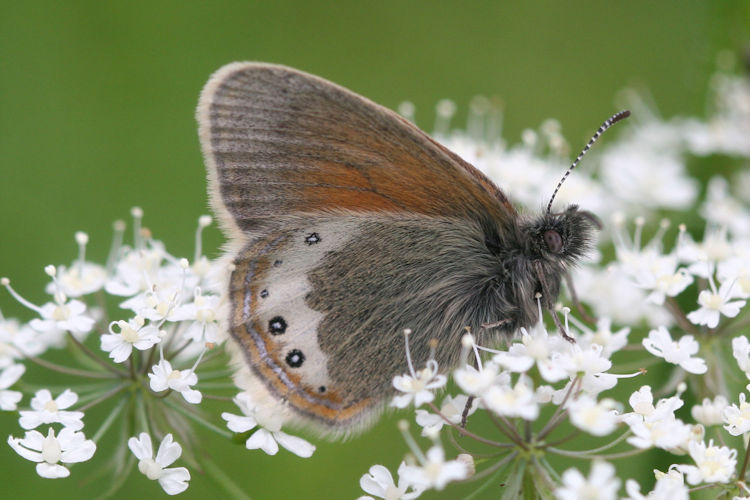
x=198 y=419
x=109 y=420
x=221 y=479
x=91 y=354
x=66 y=370
x=103 y=397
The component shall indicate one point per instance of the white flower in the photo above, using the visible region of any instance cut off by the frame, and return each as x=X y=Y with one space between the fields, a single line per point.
x=269 y=436
x=16 y=341
x=590 y=364
x=737 y=270
x=164 y=377
x=475 y=382
x=9 y=376
x=517 y=401
x=610 y=341
x=435 y=472
x=659 y=274
x=713 y=464
x=600 y=485
x=418 y=386
x=452 y=409
x=46 y=410
x=172 y=480
x=136 y=270
x=80 y=279
x=157 y=304
x=737 y=418
x=710 y=412
x=202 y=313
x=63 y=315
x=655 y=426
x=597 y=418
x=536 y=346
x=669 y=486
x=660 y=344
x=713 y=304
x=379 y=482
x=741 y=352
x=68 y=447
x=132 y=333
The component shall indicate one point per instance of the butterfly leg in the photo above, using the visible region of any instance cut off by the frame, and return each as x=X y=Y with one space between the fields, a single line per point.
x=574 y=297
x=550 y=305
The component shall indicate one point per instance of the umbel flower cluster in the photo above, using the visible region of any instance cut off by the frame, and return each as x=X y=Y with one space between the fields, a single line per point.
x=660 y=366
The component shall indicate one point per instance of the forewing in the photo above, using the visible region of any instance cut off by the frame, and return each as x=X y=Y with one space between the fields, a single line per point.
x=278 y=141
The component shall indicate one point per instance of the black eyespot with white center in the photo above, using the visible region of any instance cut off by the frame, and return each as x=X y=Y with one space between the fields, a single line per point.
x=553 y=240
x=312 y=238
x=295 y=358
x=277 y=325
x=263 y=293
x=276 y=263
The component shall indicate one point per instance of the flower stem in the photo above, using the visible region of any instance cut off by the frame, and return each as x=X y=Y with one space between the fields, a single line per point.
x=66 y=370
x=109 y=420
x=198 y=419
x=224 y=481
x=94 y=357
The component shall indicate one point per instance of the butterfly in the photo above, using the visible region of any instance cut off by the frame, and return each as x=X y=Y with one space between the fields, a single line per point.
x=347 y=224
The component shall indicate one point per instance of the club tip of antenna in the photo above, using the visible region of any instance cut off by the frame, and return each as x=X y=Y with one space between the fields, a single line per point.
x=620 y=116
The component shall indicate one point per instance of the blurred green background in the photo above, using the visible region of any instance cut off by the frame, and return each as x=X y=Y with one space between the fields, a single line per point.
x=96 y=115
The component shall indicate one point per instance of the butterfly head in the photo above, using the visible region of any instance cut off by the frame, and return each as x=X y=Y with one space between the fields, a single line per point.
x=561 y=238
x=553 y=243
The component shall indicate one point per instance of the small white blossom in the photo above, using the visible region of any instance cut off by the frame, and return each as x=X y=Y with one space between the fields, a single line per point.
x=741 y=353
x=68 y=447
x=136 y=270
x=63 y=315
x=713 y=464
x=591 y=365
x=669 y=486
x=133 y=333
x=436 y=472
x=173 y=480
x=737 y=418
x=660 y=275
x=418 y=386
x=660 y=344
x=163 y=377
x=202 y=313
x=45 y=410
x=517 y=401
x=9 y=376
x=379 y=483
x=269 y=436
x=79 y=279
x=713 y=304
x=452 y=409
x=536 y=346
x=475 y=382
x=709 y=412
x=17 y=341
x=602 y=484
x=595 y=417
x=611 y=342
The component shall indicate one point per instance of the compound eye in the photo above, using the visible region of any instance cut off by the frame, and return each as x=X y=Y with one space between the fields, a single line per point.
x=553 y=240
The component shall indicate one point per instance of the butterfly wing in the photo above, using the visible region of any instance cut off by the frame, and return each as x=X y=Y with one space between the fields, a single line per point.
x=319 y=306
x=278 y=141
x=342 y=215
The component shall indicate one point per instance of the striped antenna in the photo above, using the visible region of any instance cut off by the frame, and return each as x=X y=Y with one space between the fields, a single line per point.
x=607 y=123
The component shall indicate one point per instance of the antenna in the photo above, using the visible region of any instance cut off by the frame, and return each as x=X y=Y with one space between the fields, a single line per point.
x=607 y=123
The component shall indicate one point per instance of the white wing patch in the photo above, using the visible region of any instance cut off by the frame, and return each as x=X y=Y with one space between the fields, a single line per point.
x=281 y=306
